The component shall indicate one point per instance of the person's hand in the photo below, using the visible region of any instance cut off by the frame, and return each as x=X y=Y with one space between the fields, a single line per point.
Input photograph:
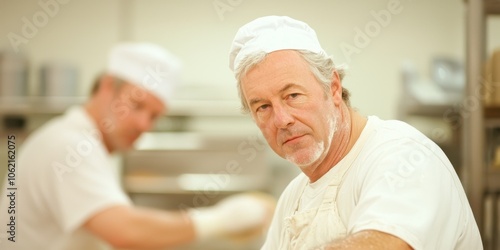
x=238 y=217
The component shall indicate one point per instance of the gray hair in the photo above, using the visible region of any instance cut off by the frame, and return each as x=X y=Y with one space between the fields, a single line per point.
x=117 y=82
x=321 y=66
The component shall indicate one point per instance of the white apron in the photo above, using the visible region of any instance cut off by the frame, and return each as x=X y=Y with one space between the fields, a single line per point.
x=316 y=227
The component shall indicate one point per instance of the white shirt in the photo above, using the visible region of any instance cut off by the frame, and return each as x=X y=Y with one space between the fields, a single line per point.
x=63 y=178
x=400 y=183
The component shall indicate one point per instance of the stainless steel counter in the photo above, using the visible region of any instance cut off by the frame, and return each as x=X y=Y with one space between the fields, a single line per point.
x=185 y=170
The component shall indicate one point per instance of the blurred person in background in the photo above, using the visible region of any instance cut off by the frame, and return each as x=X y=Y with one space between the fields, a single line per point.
x=366 y=183
x=69 y=196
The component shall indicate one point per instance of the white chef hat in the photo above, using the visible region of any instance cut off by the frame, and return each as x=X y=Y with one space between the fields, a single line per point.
x=147 y=65
x=272 y=33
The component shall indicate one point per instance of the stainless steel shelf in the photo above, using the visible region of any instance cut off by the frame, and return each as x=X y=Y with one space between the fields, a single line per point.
x=429 y=109
x=192 y=183
x=37 y=105
x=409 y=105
x=57 y=105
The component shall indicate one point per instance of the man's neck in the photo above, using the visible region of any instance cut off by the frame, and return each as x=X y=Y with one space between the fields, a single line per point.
x=350 y=126
x=94 y=111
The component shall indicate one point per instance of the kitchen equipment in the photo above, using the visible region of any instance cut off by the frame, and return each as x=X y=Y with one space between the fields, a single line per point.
x=172 y=170
x=13 y=75
x=445 y=86
x=58 y=79
x=448 y=73
x=187 y=163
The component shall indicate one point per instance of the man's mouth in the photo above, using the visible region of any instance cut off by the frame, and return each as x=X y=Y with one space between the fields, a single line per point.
x=292 y=139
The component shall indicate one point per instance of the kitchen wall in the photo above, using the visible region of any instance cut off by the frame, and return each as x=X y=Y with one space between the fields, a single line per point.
x=200 y=33
x=77 y=32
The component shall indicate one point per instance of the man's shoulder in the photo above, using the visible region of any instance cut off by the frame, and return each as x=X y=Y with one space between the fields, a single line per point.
x=395 y=132
x=54 y=137
x=394 y=127
x=53 y=132
x=64 y=128
x=392 y=140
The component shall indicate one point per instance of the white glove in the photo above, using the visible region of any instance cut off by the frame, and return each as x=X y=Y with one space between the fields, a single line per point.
x=232 y=216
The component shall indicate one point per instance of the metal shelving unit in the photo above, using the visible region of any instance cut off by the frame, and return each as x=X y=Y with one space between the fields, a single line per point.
x=481 y=182
x=19 y=111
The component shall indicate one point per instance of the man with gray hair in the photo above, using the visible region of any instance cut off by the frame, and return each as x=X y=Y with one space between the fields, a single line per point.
x=366 y=183
x=69 y=197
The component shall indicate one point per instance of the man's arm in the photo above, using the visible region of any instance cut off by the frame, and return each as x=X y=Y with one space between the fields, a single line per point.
x=369 y=239
x=134 y=228
x=141 y=228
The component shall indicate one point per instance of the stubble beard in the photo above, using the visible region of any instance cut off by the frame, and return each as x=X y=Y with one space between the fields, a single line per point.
x=318 y=148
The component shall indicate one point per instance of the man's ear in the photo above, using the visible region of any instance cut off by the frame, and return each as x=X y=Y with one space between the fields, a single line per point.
x=106 y=85
x=107 y=81
x=336 y=88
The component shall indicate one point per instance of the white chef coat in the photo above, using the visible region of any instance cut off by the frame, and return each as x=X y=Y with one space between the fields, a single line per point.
x=400 y=183
x=63 y=178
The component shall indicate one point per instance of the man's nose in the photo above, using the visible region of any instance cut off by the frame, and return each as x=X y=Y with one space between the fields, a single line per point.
x=282 y=117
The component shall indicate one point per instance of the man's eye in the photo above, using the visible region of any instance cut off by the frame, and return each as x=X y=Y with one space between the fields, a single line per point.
x=294 y=95
x=262 y=107
x=153 y=117
x=137 y=105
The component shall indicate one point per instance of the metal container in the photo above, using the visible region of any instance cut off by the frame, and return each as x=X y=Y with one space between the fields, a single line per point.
x=58 y=79
x=13 y=75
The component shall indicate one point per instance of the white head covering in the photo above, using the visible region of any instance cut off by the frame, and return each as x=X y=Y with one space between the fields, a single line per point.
x=146 y=65
x=272 y=33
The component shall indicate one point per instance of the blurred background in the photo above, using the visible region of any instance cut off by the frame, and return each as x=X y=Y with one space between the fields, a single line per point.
x=406 y=60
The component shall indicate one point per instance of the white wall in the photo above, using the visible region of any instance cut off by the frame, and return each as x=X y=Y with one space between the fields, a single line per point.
x=83 y=31
x=80 y=32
